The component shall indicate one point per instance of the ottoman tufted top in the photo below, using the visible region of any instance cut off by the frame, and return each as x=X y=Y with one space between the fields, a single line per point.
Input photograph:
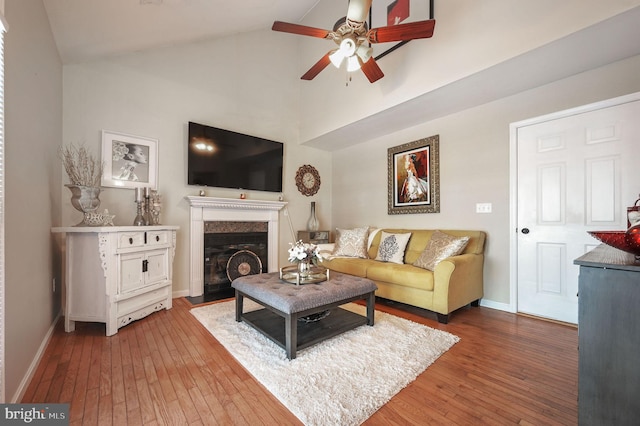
x=290 y=298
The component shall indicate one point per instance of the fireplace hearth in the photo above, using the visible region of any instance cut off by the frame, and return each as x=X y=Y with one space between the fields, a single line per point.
x=233 y=249
x=226 y=211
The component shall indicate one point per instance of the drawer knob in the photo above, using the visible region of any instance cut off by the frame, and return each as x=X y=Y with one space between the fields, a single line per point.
x=157 y=237
x=130 y=240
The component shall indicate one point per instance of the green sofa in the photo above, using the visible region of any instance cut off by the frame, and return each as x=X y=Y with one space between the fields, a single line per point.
x=455 y=282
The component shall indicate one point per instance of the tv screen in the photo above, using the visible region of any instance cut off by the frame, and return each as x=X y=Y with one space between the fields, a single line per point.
x=227 y=159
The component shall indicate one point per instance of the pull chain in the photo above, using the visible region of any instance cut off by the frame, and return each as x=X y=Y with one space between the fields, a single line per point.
x=348 y=79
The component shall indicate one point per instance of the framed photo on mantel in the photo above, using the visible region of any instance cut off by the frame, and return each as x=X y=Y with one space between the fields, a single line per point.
x=384 y=13
x=414 y=177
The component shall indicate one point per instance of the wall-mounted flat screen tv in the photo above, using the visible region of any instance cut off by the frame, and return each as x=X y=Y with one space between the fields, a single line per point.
x=226 y=159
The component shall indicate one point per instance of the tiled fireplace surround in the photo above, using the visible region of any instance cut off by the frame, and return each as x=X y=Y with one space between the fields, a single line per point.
x=206 y=209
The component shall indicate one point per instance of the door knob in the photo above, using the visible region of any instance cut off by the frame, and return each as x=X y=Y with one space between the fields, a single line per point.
x=525 y=230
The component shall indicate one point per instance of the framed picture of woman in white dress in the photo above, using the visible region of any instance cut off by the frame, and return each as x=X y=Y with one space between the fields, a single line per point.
x=129 y=161
x=414 y=177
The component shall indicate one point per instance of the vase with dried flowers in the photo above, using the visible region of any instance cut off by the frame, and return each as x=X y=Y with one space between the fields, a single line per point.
x=84 y=173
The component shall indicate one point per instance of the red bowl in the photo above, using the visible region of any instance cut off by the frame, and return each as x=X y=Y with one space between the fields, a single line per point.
x=615 y=239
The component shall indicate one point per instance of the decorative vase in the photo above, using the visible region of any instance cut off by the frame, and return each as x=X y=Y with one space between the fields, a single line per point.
x=632 y=238
x=85 y=199
x=313 y=224
x=304 y=268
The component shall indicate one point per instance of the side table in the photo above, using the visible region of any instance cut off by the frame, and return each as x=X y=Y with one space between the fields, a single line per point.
x=314 y=237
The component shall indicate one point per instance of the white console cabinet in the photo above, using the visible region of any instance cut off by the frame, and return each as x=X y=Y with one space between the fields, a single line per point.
x=117 y=274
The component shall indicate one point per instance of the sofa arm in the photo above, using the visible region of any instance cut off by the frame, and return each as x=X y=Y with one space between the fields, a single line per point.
x=457 y=281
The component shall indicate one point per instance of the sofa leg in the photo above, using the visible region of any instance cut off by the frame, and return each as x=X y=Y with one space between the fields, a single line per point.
x=442 y=318
x=475 y=303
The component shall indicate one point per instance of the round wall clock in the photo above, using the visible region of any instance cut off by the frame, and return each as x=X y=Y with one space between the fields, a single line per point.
x=308 y=180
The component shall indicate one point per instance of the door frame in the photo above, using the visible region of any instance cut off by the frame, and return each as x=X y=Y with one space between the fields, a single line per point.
x=513 y=178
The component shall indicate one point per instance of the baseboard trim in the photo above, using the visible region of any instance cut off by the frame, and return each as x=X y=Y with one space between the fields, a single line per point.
x=24 y=383
x=497 y=305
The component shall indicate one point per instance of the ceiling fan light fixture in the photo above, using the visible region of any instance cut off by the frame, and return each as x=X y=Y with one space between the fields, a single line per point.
x=364 y=52
x=336 y=58
x=353 y=63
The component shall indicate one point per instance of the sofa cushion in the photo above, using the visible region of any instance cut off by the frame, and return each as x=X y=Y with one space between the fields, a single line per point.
x=392 y=246
x=351 y=242
x=420 y=238
x=348 y=265
x=402 y=275
x=439 y=248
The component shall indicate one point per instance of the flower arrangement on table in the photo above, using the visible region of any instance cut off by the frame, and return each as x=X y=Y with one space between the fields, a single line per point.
x=301 y=252
x=304 y=255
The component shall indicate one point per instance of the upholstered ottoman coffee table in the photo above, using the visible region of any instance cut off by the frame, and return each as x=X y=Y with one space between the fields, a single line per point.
x=289 y=309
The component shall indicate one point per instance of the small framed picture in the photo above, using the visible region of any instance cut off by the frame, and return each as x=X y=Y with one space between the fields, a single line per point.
x=129 y=161
x=414 y=177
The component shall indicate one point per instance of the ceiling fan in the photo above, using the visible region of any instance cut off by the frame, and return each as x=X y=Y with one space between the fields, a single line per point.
x=353 y=39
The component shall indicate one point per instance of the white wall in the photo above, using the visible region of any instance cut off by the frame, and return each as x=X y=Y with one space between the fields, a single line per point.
x=470 y=36
x=33 y=116
x=474 y=165
x=246 y=83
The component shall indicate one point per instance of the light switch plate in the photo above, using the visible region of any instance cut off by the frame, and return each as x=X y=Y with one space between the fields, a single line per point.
x=483 y=207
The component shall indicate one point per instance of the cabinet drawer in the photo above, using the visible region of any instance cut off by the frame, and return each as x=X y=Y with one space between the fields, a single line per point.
x=130 y=239
x=157 y=238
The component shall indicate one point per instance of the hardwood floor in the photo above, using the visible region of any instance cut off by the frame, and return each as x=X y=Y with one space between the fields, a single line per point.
x=168 y=369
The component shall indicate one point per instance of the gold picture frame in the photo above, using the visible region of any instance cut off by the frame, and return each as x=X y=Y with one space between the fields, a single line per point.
x=414 y=177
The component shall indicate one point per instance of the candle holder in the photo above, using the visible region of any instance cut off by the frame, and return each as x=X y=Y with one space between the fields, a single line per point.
x=139 y=220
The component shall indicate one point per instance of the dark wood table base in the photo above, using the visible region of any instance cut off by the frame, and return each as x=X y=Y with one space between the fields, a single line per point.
x=292 y=335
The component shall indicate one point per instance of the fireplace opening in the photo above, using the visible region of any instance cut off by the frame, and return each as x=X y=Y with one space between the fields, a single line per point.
x=233 y=249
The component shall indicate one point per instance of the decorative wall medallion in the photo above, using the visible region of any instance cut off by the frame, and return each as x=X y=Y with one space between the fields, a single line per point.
x=308 y=180
x=242 y=263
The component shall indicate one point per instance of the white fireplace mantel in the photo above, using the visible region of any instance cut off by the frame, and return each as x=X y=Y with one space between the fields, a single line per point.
x=206 y=209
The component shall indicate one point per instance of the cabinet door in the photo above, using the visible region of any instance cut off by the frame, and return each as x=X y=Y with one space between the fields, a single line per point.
x=131 y=274
x=157 y=266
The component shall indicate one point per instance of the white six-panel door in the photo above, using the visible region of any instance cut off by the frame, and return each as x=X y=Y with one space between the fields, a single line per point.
x=576 y=171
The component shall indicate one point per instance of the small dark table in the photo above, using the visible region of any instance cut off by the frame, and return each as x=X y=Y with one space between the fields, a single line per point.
x=608 y=338
x=285 y=303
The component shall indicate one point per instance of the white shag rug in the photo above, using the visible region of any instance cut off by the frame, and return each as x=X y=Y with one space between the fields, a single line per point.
x=341 y=381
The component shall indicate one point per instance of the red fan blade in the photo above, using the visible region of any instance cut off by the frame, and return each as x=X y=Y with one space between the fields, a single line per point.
x=358 y=10
x=372 y=70
x=315 y=69
x=285 y=27
x=402 y=32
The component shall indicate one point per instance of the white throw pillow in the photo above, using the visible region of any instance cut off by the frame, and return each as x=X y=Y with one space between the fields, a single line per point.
x=439 y=247
x=351 y=242
x=392 y=246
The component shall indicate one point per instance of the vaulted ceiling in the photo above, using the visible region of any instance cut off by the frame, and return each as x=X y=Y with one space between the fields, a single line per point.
x=85 y=30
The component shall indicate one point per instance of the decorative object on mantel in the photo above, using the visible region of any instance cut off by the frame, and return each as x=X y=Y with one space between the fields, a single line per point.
x=312 y=223
x=84 y=173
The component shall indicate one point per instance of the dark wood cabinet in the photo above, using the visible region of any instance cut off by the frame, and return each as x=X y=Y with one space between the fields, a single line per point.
x=609 y=338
